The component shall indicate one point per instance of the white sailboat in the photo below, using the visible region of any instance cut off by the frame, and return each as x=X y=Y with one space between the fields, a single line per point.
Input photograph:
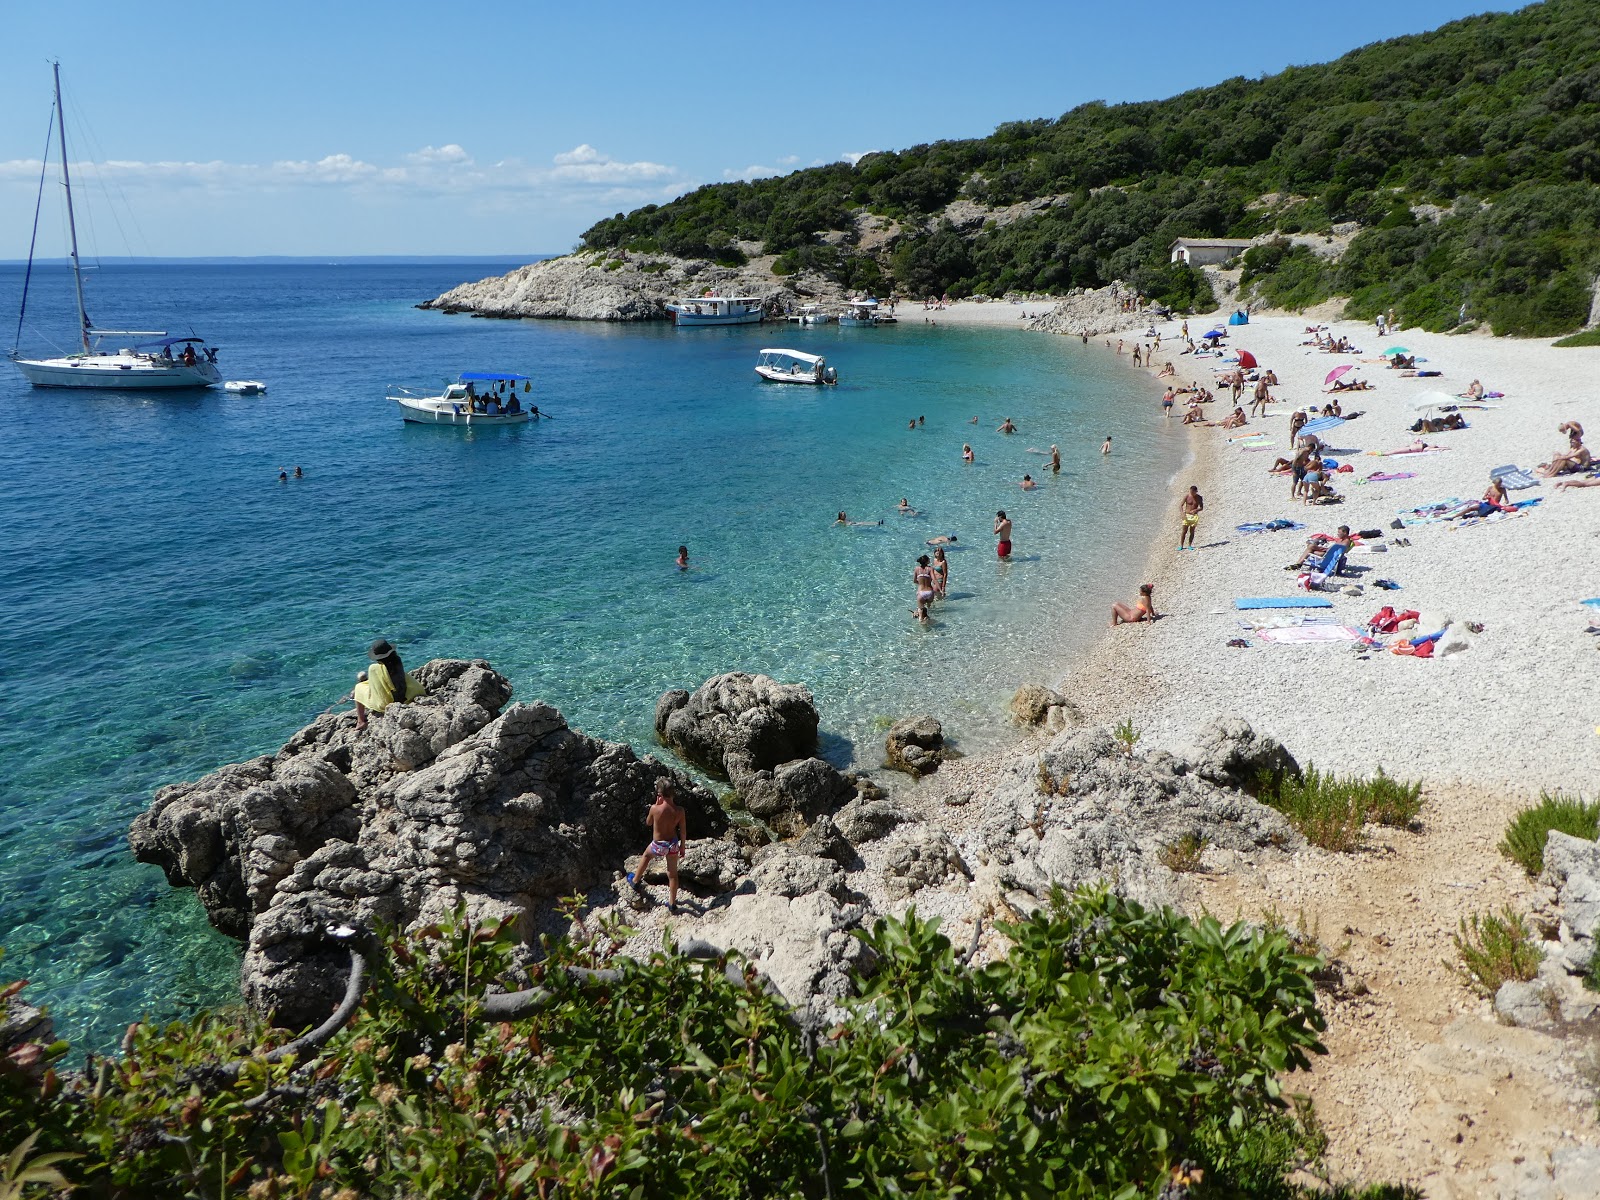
x=157 y=362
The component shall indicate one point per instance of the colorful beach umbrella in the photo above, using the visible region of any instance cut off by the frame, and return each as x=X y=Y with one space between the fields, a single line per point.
x=1395 y=350
x=1215 y=333
x=1338 y=371
x=1246 y=359
x=1321 y=425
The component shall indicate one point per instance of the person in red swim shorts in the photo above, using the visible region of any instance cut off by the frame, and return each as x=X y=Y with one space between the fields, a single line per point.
x=1002 y=530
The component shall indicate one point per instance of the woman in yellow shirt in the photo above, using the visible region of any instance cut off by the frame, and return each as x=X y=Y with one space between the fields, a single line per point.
x=376 y=687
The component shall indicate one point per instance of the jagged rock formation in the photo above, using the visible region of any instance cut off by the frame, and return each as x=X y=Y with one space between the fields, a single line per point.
x=443 y=802
x=916 y=746
x=1572 y=870
x=1095 y=311
x=761 y=736
x=618 y=286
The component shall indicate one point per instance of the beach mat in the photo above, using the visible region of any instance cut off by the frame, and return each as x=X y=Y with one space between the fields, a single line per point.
x=1248 y=602
x=1310 y=634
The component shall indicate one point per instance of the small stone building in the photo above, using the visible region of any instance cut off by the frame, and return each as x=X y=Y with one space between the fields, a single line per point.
x=1208 y=252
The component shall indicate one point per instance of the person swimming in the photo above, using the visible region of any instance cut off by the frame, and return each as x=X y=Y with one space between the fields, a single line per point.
x=1028 y=484
x=683 y=558
x=966 y=453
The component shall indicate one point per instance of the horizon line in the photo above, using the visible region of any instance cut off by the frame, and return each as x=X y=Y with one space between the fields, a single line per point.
x=329 y=259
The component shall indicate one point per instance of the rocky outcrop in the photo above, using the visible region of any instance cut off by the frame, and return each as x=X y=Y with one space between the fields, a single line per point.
x=916 y=746
x=1084 y=810
x=615 y=285
x=1228 y=753
x=1572 y=867
x=920 y=856
x=1094 y=311
x=737 y=713
x=445 y=803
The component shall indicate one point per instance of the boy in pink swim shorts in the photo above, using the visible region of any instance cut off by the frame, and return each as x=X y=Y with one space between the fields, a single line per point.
x=669 y=834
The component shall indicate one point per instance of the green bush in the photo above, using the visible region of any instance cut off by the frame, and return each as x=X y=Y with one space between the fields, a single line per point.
x=1495 y=950
x=1590 y=337
x=1525 y=836
x=1330 y=810
x=1112 y=1050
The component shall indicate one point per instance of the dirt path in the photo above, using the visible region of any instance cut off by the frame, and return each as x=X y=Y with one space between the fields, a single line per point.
x=1421 y=1083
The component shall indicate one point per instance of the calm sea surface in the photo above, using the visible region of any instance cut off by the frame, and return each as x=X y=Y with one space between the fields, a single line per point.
x=170 y=607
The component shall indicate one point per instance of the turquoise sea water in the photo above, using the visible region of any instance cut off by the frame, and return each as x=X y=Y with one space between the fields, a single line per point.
x=171 y=607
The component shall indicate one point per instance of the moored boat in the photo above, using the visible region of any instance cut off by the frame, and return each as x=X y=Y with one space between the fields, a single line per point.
x=811 y=314
x=164 y=362
x=867 y=312
x=795 y=366
x=717 y=310
x=475 y=398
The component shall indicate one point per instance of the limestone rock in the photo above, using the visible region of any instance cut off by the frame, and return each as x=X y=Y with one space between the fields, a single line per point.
x=1572 y=865
x=1524 y=1004
x=1083 y=811
x=915 y=745
x=1229 y=753
x=739 y=713
x=1032 y=701
x=868 y=820
x=920 y=857
x=336 y=828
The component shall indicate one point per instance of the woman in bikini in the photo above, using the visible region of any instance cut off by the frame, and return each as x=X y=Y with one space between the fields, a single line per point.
x=1144 y=609
x=941 y=572
x=922 y=580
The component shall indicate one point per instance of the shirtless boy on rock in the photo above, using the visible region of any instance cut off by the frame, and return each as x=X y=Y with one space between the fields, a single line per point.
x=669 y=839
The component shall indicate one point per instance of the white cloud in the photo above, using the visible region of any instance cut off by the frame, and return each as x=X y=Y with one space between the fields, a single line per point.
x=788 y=160
x=581 y=175
x=854 y=156
x=753 y=171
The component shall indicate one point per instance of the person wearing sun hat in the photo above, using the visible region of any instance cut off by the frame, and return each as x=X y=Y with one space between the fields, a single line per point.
x=375 y=687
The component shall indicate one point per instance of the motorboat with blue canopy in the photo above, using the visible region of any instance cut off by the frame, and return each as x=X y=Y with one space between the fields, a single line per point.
x=475 y=398
x=795 y=366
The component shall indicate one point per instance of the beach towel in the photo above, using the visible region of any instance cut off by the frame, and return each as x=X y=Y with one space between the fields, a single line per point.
x=1592 y=602
x=1429 y=514
x=1388 y=476
x=1514 y=477
x=1309 y=634
x=1397 y=453
x=1269 y=526
x=1248 y=602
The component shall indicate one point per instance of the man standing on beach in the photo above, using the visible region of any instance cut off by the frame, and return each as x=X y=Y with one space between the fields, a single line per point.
x=1002 y=531
x=1192 y=505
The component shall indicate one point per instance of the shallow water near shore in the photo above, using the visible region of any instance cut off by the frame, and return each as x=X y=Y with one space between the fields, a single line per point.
x=172 y=607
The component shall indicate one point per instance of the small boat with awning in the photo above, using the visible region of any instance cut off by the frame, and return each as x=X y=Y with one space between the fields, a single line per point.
x=717 y=310
x=475 y=398
x=795 y=366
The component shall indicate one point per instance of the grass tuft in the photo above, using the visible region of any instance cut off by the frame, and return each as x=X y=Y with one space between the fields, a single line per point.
x=1589 y=337
x=1329 y=810
x=1525 y=836
x=1496 y=949
x=1183 y=855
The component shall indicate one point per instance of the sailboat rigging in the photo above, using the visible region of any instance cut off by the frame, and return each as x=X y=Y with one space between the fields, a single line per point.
x=160 y=362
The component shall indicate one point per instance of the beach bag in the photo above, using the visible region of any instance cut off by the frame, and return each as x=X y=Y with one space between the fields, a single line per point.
x=1384 y=620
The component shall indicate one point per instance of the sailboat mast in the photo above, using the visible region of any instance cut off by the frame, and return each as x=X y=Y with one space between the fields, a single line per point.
x=72 y=223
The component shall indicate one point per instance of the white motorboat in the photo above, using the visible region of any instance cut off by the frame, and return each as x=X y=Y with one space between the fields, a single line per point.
x=866 y=312
x=163 y=362
x=717 y=310
x=811 y=314
x=245 y=387
x=795 y=366
x=475 y=398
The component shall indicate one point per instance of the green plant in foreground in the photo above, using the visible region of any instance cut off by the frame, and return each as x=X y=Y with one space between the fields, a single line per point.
x=1127 y=736
x=1525 y=836
x=1589 y=337
x=1330 y=810
x=1496 y=949
x=19 y=1172
x=1112 y=1046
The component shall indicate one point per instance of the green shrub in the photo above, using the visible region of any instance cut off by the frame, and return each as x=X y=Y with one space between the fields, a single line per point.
x=1590 y=337
x=1495 y=950
x=1183 y=854
x=1112 y=1050
x=1330 y=810
x=1525 y=836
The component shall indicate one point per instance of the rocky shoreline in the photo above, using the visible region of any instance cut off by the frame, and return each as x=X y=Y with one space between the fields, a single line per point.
x=464 y=800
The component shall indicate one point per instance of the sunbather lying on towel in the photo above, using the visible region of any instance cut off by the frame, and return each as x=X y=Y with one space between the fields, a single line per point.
x=1574 y=483
x=1494 y=500
x=1439 y=424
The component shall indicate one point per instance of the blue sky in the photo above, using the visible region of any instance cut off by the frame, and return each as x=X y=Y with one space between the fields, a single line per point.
x=346 y=128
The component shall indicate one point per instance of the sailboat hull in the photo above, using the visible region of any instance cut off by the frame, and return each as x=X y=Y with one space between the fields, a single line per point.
x=122 y=371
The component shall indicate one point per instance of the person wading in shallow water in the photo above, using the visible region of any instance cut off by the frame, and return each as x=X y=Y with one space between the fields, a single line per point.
x=384 y=683
x=1002 y=531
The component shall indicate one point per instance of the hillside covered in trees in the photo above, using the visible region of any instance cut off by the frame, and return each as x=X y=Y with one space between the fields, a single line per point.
x=1468 y=156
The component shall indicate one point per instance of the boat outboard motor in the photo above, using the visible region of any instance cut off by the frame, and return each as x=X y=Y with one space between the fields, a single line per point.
x=830 y=376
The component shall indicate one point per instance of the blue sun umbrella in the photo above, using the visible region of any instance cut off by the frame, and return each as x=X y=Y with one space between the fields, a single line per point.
x=1392 y=350
x=1321 y=425
x=1215 y=333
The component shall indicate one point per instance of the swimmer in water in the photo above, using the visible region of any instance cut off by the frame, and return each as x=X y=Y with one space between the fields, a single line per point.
x=1106 y=448
x=906 y=509
x=1055 y=461
x=283 y=476
x=299 y=474
x=844 y=520
x=966 y=453
x=1005 y=426
x=944 y=539
x=974 y=421
x=1028 y=484
x=941 y=572
x=683 y=556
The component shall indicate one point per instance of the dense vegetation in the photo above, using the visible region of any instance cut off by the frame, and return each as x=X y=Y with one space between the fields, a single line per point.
x=1114 y=1052
x=1494 y=119
x=1525 y=836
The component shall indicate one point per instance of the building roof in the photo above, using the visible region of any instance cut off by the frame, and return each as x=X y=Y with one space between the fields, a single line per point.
x=1220 y=243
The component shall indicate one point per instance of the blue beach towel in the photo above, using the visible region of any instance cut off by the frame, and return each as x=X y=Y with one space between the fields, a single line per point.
x=1269 y=526
x=1249 y=602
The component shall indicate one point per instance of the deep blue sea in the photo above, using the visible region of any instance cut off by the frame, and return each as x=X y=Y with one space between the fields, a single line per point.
x=171 y=607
